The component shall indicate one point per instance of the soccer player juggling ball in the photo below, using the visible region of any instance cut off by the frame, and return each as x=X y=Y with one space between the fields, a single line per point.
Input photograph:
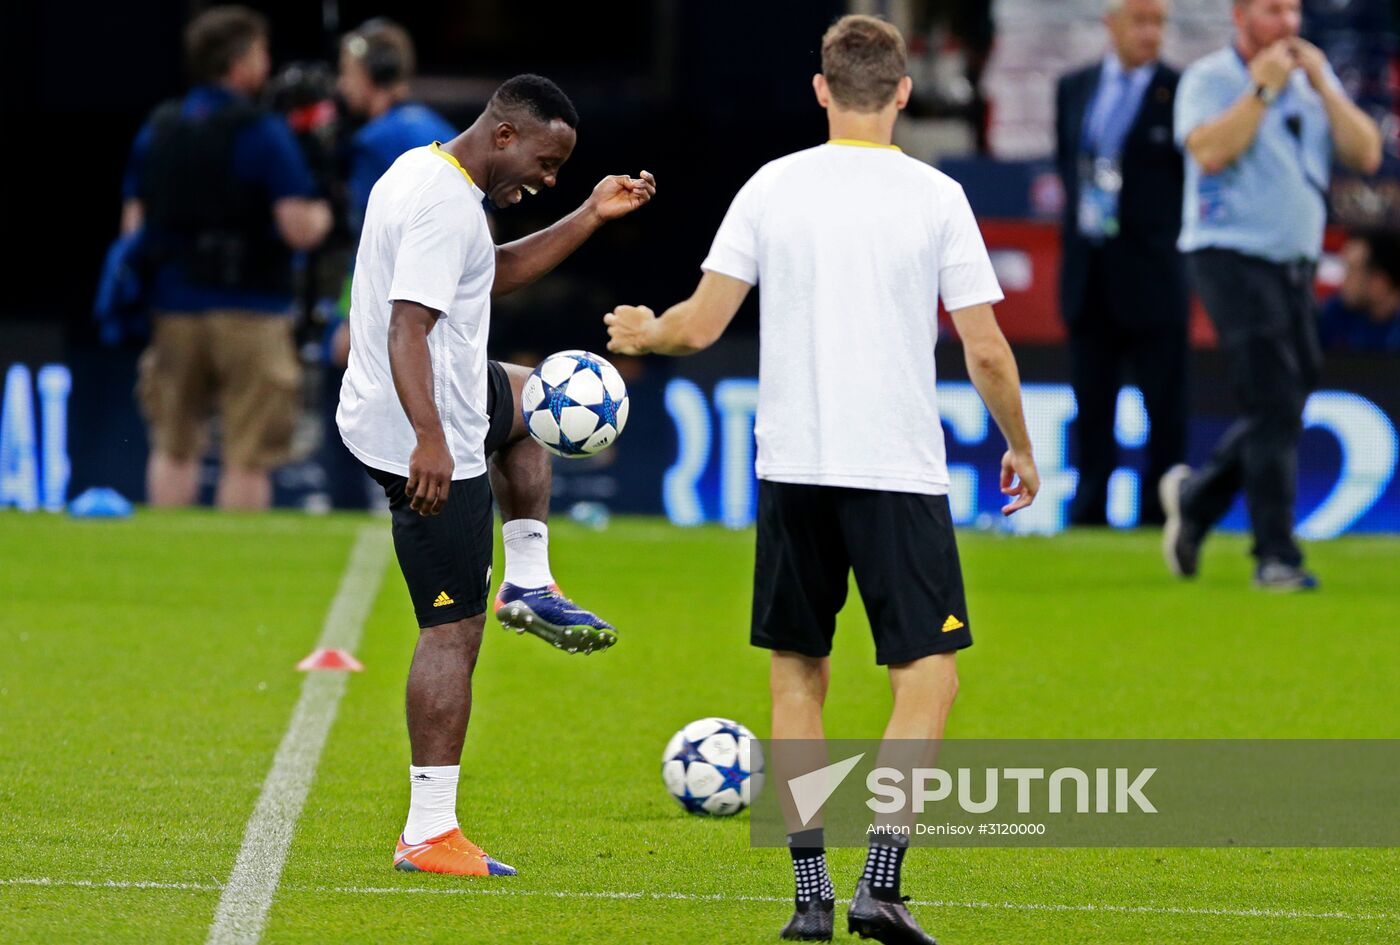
x=416 y=404
x=853 y=244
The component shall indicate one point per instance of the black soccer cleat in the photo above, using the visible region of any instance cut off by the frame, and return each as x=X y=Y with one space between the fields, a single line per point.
x=811 y=921
x=887 y=922
x=1181 y=545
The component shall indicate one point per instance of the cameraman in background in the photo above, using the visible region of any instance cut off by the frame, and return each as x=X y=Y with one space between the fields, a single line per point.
x=224 y=198
x=376 y=63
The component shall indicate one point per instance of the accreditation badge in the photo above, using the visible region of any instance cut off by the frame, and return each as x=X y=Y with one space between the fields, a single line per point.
x=1100 y=183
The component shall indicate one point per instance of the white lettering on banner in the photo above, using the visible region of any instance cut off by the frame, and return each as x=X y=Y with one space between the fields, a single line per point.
x=1049 y=409
x=737 y=401
x=1366 y=437
x=966 y=418
x=19 y=455
x=680 y=487
x=55 y=384
x=20 y=467
x=1130 y=429
x=1369 y=448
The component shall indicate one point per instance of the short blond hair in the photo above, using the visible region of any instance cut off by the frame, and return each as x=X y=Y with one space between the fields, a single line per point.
x=863 y=59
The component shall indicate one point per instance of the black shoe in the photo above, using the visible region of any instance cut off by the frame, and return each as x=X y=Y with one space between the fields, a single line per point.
x=1181 y=542
x=811 y=921
x=887 y=922
x=1273 y=575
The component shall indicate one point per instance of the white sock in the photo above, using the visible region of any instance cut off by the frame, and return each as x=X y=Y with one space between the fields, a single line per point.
x=432 y=811
x=527 y=553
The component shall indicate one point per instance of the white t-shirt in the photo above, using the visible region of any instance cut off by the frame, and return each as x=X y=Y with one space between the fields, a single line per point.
x=425 y=240
x=851 y=246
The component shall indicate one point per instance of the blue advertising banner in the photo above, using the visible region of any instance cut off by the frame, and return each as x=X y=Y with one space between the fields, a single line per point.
x=1346 y=473
x=688 y=450
x=698 y=466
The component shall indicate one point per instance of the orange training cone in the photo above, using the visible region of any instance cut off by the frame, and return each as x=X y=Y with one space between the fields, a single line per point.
x=330 y=659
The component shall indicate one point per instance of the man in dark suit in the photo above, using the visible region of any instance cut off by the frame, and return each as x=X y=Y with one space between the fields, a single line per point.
x=1123 y=286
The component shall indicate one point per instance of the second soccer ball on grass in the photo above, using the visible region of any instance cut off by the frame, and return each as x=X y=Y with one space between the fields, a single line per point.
x=713 y=766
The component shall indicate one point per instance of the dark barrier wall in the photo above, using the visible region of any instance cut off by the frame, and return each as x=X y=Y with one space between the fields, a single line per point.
x=688 y=448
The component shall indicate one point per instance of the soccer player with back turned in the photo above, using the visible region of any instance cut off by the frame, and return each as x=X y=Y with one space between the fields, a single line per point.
x=853 y=244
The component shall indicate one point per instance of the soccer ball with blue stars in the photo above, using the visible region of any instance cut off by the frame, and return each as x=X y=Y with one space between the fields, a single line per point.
x=575 y=404
x=713 y=766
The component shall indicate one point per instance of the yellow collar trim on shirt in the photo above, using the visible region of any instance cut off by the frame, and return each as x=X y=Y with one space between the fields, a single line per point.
x=858 y=143
x=437 y=149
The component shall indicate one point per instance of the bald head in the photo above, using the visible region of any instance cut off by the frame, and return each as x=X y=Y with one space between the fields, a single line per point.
x=1136 y=28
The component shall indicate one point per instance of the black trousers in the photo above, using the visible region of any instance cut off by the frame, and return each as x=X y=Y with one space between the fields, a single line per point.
x=1266 y=316
x=1106 y=350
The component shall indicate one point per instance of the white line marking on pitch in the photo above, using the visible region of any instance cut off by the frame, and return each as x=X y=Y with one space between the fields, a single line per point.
x=721 y=897
x=107 y=884
x=256 y=873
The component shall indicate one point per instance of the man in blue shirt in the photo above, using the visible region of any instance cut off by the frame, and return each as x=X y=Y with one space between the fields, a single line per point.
x=1364 y=313
x=376 y=62
x=223 y=198
x=1260 y=121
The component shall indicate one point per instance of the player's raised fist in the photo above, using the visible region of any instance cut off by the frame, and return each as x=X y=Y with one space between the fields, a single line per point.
x=629 y=329
x=619 y=195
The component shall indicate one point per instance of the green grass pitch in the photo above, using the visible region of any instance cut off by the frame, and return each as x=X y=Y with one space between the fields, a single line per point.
x=146 y=680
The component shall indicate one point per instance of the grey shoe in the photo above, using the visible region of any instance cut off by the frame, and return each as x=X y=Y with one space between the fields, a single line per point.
x=811 y=922
x=886 y=922
x=1272 y=575
x=1181 y=546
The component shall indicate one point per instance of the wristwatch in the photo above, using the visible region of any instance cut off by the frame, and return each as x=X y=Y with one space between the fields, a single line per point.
x=1265 y=94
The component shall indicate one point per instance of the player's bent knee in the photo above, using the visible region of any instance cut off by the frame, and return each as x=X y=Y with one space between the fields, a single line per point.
x=518 y=374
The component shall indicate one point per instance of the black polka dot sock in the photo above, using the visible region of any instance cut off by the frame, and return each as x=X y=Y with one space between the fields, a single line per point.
x=882 y=866
x=808 y=849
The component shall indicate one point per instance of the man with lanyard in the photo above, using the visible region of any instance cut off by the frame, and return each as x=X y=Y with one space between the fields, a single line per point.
x=1122 y=283
x=1261 y=121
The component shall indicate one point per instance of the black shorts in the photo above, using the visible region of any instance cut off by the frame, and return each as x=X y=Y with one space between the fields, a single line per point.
x=500 y=406
x=900 y=546
x=445 y=558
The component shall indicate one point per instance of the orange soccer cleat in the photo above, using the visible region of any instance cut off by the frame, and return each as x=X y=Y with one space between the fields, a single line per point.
x=448 y=853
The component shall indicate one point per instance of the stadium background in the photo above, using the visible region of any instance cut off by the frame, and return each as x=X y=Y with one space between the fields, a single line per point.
x=701 y=94
x=148 y=675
